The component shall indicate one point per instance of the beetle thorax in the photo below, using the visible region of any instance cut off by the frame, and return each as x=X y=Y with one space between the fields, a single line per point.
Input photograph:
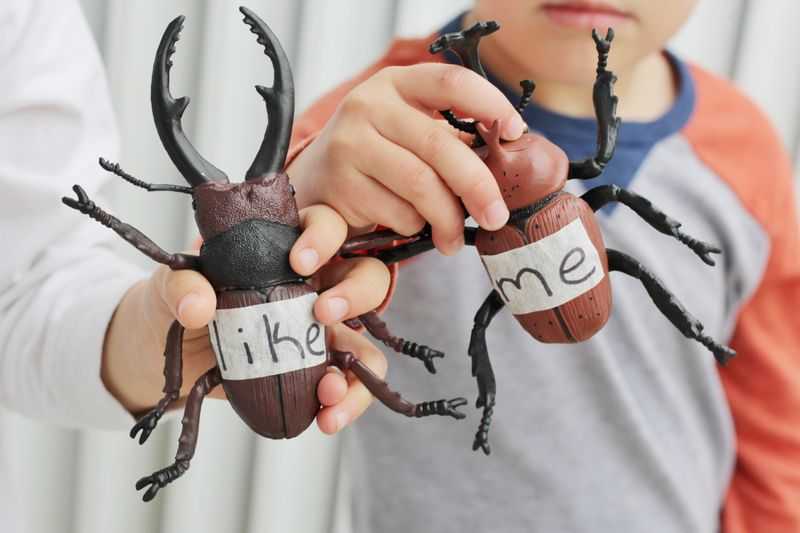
x=527 y=169
x=221 y=206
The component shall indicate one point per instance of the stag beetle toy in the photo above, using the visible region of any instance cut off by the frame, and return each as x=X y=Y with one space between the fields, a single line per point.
x=270 y=351
x=549 y=264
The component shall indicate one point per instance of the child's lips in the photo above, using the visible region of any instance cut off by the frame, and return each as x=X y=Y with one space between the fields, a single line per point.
x=586 y=14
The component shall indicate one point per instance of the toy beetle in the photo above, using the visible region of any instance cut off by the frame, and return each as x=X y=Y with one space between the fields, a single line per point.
x=270 y=351
x=549 y=264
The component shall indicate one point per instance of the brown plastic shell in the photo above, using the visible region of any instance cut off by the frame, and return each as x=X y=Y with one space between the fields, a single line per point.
x=580 y=318
x=277 y=407
x=221 y=206
x=526 y=169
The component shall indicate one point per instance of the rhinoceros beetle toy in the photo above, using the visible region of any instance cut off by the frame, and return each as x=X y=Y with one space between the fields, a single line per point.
x=270 y=350
x=549 y=264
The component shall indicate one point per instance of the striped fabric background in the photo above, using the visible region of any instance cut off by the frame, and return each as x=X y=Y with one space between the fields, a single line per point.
x=82 y=481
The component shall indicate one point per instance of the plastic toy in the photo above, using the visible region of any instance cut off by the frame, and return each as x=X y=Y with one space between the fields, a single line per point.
x=271 y=352
x=549 y=264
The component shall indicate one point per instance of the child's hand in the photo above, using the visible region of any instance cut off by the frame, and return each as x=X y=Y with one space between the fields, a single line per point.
x=384 y=159
x=133 y=361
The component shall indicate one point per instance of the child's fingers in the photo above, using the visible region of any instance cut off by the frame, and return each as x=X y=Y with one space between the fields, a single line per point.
x=332 y=387
x=402 y=172
x=358 y=197
x=460 y=168
x=335 y=417
x=182 y=294
x=375 y=204
x=358 y=285
x=324 y=231
x=434 y=86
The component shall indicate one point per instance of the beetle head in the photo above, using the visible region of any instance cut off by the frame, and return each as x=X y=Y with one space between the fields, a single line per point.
x=527 y=169
x=221 y=206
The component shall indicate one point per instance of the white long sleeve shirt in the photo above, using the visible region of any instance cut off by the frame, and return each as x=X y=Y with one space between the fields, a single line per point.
x=59 y=279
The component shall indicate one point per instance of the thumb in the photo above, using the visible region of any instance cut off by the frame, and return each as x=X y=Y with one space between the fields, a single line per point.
x=185 y=295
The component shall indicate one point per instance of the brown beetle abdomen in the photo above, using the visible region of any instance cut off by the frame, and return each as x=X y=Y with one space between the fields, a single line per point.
x=277 y=406
x=556 y=279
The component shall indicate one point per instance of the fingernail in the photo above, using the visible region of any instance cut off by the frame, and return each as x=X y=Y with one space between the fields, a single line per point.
x=308 y=259
x=341 y=420
x=186 y=303
x=495 y=215
x=456 y=244
x=514 y=128
x=338 y=308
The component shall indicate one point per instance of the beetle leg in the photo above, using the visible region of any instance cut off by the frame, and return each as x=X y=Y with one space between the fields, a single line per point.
x=135 y=237
x=114 y=168
x=391 y=399
x=667 y=303
x=173 y=363
x=407 y=251
x=378 y=329
x=376 y=241
x=605 y=109
x=187 y=443
x=482 y=368
x=604 y=194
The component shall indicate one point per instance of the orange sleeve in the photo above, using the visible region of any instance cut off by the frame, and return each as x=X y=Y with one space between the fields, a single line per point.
x=762 y=383
x=307 y=126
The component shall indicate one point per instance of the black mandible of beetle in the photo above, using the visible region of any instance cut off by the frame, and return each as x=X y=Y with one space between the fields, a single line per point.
x=270 y=351
x=569 y=299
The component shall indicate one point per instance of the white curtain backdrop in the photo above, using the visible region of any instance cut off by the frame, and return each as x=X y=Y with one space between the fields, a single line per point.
x=82 y=481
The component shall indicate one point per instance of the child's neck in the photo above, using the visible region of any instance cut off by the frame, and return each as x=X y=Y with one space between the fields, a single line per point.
x=646 y=90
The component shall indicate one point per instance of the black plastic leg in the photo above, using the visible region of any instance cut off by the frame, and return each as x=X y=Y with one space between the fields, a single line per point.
x=405 y=251
x=667 y=303
x=482 y=368
x=187 y=443
x=391 y=399
x=173 y=369
x=114 y=168
x=600 y=196
x=132 y=235
x=378 y=329
x=425 y=244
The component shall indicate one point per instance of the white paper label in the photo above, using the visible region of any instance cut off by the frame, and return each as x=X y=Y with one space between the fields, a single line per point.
x=267 y=339
x=546 y=273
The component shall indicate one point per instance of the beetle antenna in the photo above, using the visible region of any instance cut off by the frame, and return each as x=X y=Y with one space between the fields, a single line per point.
x=279 y=100
x=168 y=112
x=114 y=168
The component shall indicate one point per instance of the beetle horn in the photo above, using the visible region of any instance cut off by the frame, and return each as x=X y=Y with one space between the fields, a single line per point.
x=491 y=136
x=279 y=99
x=168 y=112
x=465 y=44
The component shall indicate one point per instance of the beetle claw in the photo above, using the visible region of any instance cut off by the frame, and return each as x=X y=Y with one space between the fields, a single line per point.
x=82 y=204
x=160 y=479
x=146 y=425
